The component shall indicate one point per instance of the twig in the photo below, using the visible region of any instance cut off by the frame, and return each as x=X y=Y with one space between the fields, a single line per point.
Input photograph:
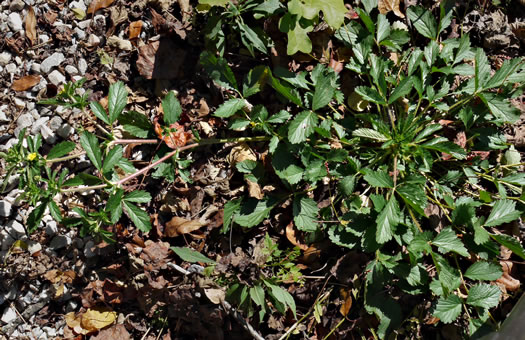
x=233 y=312
x=178 y=268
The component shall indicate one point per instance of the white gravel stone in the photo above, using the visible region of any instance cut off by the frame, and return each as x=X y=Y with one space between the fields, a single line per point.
x=59 y=242
x=5 y=208
x=93 y=40
x=5 y=58
x=24 y=120
x=43 y=38
x=82 y=66
x=71 y=69
x=51 y=228
x=15 y=229
x=78 y=4
x=56 y=78
x=122 y=44
x=16 y=5
x=55 y=123
x=19 y=103
x=3 y=117
x=35 y=67
x=11 y=68
x=38 y=124
x=48 y=135
x=53 y=60
x=51 y=332
x=65 y=131
x=15 y=22
x=9 y=315
x=33 y=247
x=84 y=24
x=80 y=33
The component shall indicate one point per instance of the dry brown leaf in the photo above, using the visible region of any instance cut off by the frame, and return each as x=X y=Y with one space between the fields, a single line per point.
x=98 y=4
x=175 y=139
x=73 y=322
x=510 y=283
x=30 y=26
x=97 y=318
x=215 y=295
x=135 y=28
x=25 y=82
x=239 y=153
x=178 y=226
x=254 y=190
x=57 y=276
x=290 y=235
x=386 y=6
x=346 y=296
x=160 y=59
x=116 y=332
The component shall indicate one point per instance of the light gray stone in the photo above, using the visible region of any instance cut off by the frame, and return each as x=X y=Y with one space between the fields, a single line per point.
x=55 y=123
x=11 y=68
x=5 y=58
x=25 y=120
x=65 y=131
x=52 y=61
x=51 y=228
x=93 y=40
x=15 y=229
x=6 y=240
x=80 y=33
x=84 y=24
x=35 y=67
x=59 y=242
x=121 y=44
x=15 y=22
x=56 y=78
x=78 y=4
x=51 y=332
x=82 y=66
x=9 y=315
x=16 y=5
x=48 y=135
x=5 y=208
x=43 y=38
x=70 y=69
x=38 y=124
x=19 y=103
x=33 y=247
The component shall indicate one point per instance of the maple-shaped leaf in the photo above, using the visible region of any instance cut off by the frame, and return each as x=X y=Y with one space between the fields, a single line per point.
x=333 y=10
x=174 y=136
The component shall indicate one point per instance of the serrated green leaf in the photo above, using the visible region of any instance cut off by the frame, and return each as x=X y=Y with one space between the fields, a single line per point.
x=117 y=100
x=402 y=89
x=448 y=309
x=504 y=211
x=255 y=80
x=114 y=205
x=54 y=210
x=504 y=111
x=305 y=212
x=283 y=296
x=252 y=39
x=324 y=92
x=370 y=94
x=172 y=109
x=253 y=212
x=230 y=107
x=190 y=255
x=347 y=185
x=302 y=126
x=138 y=216
x=90 y=144
x=280 y=117
x=218 y=69
x=447 y=147
x=286 y=167
x=413 y=195
x=484 y=295
x=378 y=179
x=333 y=10
x=369 y=133
x=387 y=220
x=423 y=21
x=511 y=243
x=138 y=196
x=112 y=159
x=383 y=28
x=36 y=215
x=60 y=150
x=137 y=124
x=484 y=271
x=448 y=276
x=516 y=179
x=99 y=112
x=287 y=91
x=505 y=71
x=481 y=69
x=447 y=241
x=257 y=295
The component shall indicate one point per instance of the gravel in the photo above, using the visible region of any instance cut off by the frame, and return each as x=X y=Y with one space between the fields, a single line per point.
x=5 y=208
x=15 y=22
x=38 y=124
x=52 y=61
x=65 y=130
x=56 y=78
x=59 y=242
x=5 y=58
x=9 y=315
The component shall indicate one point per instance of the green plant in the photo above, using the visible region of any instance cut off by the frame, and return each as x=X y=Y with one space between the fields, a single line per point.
x=70 y=96
x=407 y=140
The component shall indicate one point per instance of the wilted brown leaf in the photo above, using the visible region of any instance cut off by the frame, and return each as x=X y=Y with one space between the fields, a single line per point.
x=57 y=276
x=239 y=153
x=215 y=295
x=346 y=296
x=160 y=59
x=30 y=26
x=386 y=6
x=178 y=226
x=155 y=255
x=25 y=83
x=291 y=236
x=174 y=139
x=98 y=4
x=254 y=190
x=97 y=318
x=113 y=333
x=135 y=28
x=506 y=280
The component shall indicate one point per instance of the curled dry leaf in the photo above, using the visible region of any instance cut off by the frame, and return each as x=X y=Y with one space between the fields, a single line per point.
x=98 y=4
x=386 y=6
x=346 y=296
x=90 y=321
x=291 y=236
x=178 y=226
x=135 y=28
x=254 y=190
x=215 y=295
x=30 y=26
x=160 y=59
x=506 y=280
x=25 y=82
x=239 y=153
x=175 y=138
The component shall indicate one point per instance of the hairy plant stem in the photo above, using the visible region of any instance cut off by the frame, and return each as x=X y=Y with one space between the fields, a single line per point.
x=165 y=157
x=65 y=158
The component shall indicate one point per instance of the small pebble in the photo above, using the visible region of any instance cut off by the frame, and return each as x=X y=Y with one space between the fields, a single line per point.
x=5 y=58
x=15 y=22
x=70 y=69
x=52 y=61
x=56 y=78
x=16 y=5
x=5 y=208
x=9 y=315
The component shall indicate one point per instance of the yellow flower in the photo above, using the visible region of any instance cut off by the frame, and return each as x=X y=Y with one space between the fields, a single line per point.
x=31 y=156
